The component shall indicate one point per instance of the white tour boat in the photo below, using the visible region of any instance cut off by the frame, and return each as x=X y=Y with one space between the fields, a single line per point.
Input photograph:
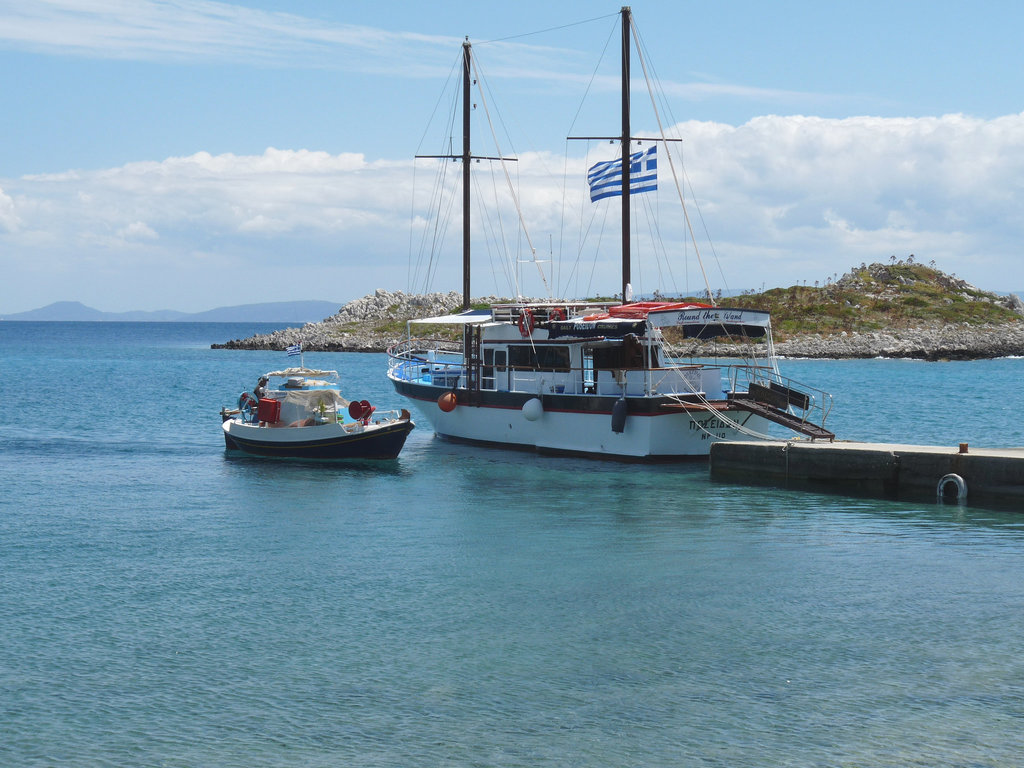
x=599 y=379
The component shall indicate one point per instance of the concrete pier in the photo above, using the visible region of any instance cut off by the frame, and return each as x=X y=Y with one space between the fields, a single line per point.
x=957 y=473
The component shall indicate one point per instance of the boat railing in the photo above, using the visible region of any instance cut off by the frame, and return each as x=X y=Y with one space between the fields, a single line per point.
x=438 y=361
x=317 y=417
x=341 y=416
x=628 y=382
x=809 y=403
x=378 y=417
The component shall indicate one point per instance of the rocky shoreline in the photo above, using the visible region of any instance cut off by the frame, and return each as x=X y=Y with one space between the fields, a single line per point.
x=369 y=324
x=950 y=342
x=375 y=322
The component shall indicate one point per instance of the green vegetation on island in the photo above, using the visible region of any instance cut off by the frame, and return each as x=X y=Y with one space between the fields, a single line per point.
x=902 y=294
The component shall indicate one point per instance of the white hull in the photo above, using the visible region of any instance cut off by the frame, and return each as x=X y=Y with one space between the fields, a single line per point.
x=662 y=436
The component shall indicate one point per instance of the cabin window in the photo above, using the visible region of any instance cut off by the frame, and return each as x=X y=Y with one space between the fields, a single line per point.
x=629 y=355
x=543 y=358
x=588 y=370
x=487 y=373
x=606 y=358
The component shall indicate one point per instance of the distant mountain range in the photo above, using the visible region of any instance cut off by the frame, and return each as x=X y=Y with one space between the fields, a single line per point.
x=294 y=312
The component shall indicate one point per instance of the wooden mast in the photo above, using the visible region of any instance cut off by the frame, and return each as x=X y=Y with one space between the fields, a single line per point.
x=626 y=143
x=466 y=159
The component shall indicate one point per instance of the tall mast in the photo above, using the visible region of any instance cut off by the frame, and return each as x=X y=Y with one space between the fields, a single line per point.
x=466 y=158
x=626 y=139
x=626 y=25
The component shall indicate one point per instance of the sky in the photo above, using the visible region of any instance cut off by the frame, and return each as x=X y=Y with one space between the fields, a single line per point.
x=190 y=154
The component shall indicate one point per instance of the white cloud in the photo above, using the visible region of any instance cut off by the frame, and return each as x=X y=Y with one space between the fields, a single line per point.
x=206 y=30
x=863 y=188
x=280 y=190
x=8 y=216
x=137 y=230
x=187 y=30
x=786 y=199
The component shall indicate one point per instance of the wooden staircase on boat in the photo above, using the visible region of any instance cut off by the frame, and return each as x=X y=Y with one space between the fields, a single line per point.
x=770 y=402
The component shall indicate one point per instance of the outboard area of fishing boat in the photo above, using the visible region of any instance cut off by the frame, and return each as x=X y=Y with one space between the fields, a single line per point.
x=645 y=380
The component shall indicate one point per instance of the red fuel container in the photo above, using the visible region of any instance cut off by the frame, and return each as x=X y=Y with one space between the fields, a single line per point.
x=269 y=410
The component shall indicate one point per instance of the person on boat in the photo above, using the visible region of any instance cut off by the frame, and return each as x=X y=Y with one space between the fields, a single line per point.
x=261 y=388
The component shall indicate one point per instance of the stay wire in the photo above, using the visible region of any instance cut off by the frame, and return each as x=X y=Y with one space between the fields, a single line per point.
x=667 y=107
x=661 y=129
x=550 y=29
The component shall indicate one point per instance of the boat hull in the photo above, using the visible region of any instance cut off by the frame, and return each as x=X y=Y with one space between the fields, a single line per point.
x=654 y=428
x=324 y=441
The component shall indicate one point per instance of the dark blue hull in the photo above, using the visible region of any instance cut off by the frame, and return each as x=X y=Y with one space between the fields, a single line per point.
x=383 y=443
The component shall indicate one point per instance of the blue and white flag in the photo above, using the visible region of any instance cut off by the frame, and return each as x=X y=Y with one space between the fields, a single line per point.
x=605 y=179
x=294 y=349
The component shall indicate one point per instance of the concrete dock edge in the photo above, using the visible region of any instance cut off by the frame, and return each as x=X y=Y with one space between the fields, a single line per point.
x=890 y=471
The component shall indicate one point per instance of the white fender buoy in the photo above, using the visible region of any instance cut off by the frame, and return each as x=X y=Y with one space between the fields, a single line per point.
x=961 y=487
x=533 y=409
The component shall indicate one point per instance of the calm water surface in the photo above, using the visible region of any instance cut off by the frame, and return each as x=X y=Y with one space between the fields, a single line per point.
x=162 y=603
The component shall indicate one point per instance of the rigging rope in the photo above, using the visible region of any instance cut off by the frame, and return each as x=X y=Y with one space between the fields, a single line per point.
x=668 y=111
x=672 y=166
x=549 y=29
x=511 y=188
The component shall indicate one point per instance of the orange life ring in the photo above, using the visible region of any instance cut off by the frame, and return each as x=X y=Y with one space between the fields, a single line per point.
x=526 y=323
x=556 y=314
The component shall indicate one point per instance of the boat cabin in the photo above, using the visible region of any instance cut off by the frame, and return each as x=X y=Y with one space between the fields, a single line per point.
x=581 y=349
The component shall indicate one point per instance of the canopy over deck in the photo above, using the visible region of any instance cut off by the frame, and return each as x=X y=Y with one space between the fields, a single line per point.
x=701 y=316
x=469 y=317
x=696 y=320
x=288 y=373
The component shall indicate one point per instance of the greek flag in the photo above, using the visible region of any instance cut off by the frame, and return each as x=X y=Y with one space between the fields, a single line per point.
x=605 y=179
x=294 y=349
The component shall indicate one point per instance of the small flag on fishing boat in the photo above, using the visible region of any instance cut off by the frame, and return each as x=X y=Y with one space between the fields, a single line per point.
x=605 y=179
x=294 y=349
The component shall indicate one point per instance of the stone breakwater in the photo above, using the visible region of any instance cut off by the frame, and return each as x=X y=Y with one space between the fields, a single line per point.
x=377 y=321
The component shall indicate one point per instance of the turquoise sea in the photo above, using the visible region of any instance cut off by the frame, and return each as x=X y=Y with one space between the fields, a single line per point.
x=164 y=604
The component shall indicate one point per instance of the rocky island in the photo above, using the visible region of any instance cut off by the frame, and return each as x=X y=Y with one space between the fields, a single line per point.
x=902 y=309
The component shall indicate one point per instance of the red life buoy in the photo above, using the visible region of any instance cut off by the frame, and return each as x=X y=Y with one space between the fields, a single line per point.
x=526 y=323
x=361 y=410
x=556 y=314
